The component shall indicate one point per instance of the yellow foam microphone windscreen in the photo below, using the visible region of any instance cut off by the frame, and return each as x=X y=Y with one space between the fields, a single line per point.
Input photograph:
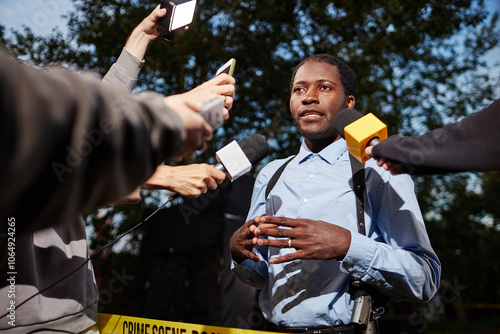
x=359 y=131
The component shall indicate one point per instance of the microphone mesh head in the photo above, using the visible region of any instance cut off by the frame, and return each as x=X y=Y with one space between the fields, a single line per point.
x=344 y=118
x=255 y=148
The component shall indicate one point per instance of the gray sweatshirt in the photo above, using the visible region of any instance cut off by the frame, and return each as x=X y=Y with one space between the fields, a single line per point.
x=68 y=144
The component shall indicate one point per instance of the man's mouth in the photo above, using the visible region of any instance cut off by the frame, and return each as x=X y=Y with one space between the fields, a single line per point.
x=310 y=114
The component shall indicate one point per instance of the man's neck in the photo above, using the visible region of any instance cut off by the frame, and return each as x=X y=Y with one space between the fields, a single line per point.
x=318 y=145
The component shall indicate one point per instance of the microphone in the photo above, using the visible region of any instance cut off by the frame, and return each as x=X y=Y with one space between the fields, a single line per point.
x=359 y=131
x=237 y=158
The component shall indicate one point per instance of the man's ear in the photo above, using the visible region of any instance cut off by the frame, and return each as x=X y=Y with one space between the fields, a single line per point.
x=350 y=102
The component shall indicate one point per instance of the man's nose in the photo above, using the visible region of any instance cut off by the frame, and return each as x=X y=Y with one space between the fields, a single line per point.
x=311 y=96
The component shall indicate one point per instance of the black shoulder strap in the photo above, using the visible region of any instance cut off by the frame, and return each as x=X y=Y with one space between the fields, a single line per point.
x=358 y=184
x=276 y=176
x=358 y=287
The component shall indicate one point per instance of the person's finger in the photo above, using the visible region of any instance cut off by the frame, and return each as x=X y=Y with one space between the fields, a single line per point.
x=387 y=165
x=281 y=221
x=261 y=228
x=225 y=78
x=252 y=229
x=395 y=169
x=277 y=243
x=212 y=184
x=276 y=232
x=248 y=232
x=381 y=162
x=218 y=175
x=286 y=258
x=228 y=102
x=368 y=152
x=251 y=256
x=157 y=13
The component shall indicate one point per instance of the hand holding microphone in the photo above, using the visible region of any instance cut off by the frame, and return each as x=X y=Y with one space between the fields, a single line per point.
x=361 y=134
x=390 y=166
x=235 y=159
x=359 y=131
x=458 y=147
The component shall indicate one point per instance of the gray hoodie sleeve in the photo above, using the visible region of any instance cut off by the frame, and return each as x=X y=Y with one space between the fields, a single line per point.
x=124 y=73
x=69 y=144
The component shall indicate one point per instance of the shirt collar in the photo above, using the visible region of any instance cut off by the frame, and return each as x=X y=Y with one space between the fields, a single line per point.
x=330 y=154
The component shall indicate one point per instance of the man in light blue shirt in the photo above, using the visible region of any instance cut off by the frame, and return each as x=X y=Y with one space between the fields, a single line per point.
x=306 y=249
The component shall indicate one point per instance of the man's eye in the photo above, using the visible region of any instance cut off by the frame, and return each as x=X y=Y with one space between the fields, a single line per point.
x=325 y=87
x=298 y=89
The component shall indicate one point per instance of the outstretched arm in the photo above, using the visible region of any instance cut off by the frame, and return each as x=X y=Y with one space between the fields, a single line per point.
x=123 y=74
x=188 y=181
x=80 y=143
x=222 y=86
x=144 y=33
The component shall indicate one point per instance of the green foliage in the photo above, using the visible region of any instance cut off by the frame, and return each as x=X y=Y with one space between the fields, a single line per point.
x=419 y=66
x=463 y=232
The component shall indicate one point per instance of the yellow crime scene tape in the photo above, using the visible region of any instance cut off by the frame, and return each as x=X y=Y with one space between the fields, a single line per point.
x=120 y=324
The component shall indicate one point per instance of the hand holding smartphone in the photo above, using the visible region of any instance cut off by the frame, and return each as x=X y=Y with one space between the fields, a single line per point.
x=213 y=110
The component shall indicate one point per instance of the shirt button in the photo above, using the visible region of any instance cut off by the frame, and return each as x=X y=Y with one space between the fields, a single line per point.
x=306 y=200
x=296 y=261
x=350 y=269
x=292 y=293
x=311 y=176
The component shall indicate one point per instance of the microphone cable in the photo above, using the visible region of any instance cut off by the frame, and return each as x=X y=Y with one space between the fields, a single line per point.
x=169 y=200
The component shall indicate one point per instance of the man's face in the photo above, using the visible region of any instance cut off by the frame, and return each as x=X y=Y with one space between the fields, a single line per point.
x=317 y=96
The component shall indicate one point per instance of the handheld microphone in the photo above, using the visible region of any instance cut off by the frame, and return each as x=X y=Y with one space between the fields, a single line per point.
x=359 y=131
x=237 y=158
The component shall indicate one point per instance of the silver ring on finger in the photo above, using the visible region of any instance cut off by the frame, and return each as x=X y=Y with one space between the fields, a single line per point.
x=289 y=243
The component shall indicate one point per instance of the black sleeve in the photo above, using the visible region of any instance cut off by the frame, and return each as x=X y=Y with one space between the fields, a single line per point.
x=473 y=144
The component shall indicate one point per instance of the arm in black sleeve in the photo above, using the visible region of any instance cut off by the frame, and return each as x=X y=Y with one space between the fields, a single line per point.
x=69 y=144
x=473 y=144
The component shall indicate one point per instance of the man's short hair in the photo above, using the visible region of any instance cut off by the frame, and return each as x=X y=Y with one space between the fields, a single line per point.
x=347 y=75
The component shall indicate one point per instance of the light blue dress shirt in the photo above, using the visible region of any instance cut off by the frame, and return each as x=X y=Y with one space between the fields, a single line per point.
x=396 y=255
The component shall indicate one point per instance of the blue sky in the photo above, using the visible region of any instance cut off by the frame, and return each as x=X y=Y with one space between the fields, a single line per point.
x=40 y=15
x=44 y=15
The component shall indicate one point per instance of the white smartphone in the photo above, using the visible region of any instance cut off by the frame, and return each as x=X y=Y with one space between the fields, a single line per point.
x=213 y=112
x=227 y=68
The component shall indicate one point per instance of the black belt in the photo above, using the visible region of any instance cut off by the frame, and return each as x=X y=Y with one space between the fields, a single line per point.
x=342 y=329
